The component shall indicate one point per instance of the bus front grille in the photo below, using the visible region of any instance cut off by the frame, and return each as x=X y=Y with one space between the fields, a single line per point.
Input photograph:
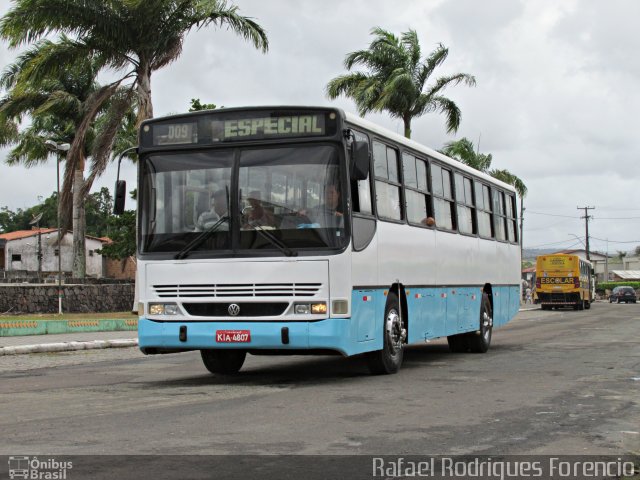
x=237 y=290
x=260 y=309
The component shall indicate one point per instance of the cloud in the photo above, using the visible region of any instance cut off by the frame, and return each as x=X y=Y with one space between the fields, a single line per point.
x=556 y=100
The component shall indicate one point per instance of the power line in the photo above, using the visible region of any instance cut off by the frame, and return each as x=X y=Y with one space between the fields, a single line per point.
x=551 y=214
x=561 y=222
x=551 y=243
x=581 y=208
x=616 y=241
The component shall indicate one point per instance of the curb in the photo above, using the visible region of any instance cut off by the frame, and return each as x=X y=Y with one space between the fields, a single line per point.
x=11 y=328
x=69 y=346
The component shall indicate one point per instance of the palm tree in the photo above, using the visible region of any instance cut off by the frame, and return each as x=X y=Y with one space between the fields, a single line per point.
x=463 y=151
x=395 y=80
x=62 y=106
x=137 y=36
x=134 y=36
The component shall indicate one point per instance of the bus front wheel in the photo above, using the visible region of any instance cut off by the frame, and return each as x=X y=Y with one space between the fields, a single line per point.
x=389 y=359
x=224 y=362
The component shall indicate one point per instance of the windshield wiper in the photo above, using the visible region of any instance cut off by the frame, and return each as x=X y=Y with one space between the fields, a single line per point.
x=273 y=240
x=201 y=238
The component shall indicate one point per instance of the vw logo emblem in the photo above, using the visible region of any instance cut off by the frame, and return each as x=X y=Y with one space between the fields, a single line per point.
x=234 y=309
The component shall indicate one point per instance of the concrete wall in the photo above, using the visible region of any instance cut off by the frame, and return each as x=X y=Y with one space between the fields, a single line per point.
x=77 y=298
x=27 y=248
x=120 y=269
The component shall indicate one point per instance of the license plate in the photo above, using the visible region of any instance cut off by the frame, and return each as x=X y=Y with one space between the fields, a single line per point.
x=233 y=336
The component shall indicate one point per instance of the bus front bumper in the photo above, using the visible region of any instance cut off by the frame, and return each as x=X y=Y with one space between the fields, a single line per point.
x=331 y=334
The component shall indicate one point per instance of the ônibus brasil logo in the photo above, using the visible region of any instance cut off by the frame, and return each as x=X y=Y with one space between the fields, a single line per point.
x=33 y=468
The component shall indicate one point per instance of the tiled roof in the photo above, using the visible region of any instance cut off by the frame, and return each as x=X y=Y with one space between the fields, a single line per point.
x=24 y=233
x=18 y=234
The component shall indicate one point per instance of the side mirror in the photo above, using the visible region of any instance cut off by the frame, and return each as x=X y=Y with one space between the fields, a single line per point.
x=120 y=197
x=120 y=193
x=359 y=160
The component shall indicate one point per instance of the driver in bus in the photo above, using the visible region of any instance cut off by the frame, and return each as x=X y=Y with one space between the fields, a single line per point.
x=257 y=214
x=328 y=214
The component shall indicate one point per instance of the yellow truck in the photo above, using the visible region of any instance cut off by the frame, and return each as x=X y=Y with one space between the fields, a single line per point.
x=564 y=280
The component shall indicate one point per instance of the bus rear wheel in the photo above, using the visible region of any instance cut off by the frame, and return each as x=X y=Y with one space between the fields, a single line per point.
x=224 y=362
x=389 y=359
x=480 y=341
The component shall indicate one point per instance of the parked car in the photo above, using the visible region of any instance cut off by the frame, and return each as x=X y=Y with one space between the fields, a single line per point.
x=623 y=294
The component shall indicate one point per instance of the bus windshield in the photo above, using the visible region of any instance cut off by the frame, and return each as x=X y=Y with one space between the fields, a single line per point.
x=279 y=199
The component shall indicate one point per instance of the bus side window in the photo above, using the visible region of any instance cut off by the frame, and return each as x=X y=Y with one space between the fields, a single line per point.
x=416 y=190
x=387 y=182
x=443 y=204
x=512 y=228
x=360 y=189
x=465 y=206
x=498 y=214
x=483 y=207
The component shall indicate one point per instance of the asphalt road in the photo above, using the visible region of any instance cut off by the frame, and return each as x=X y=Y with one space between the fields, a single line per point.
x=560 y=382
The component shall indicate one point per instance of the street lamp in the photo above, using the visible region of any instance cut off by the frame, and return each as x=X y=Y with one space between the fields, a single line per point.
x=58 y=147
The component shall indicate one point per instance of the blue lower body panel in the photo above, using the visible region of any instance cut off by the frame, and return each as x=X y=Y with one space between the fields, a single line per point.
x=330 y=334
x=432 y=311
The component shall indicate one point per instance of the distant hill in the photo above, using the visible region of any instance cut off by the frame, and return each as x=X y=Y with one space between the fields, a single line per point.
x=532 y=253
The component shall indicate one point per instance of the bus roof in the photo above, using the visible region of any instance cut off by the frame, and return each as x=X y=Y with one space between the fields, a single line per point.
x=354 y=119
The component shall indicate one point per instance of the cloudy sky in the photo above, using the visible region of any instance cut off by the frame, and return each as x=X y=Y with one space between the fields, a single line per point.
x=556 y=99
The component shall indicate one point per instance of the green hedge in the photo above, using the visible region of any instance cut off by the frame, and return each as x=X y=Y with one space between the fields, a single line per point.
x=611 y=285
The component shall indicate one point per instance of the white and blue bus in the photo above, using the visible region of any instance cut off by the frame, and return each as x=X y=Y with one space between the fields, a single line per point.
x=307 y=230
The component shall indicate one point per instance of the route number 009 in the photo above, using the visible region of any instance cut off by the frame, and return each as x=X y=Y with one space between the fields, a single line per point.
x=179 y=132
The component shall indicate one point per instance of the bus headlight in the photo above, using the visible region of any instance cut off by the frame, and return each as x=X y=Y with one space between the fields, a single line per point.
x=163 y=309
x=318 y=308
x=310 y=308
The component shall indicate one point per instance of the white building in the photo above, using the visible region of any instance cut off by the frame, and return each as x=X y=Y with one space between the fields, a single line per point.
x=19 y=252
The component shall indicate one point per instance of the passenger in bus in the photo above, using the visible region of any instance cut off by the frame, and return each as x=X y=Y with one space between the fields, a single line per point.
x=218 y=209
x=429 y=221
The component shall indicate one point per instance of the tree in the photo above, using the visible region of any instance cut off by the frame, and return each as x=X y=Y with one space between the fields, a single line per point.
x=395 y=78
x=62 y=106
x=122 y=232
x=196 y=106
x=98 y=207
x=463 y=151
x=137 y=36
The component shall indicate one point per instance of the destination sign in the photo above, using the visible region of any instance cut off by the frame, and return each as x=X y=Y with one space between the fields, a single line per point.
x=557 y=280
x=269 y=127
x=238 y=126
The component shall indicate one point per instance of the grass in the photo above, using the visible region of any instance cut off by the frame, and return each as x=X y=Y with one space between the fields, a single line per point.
x=71 y=316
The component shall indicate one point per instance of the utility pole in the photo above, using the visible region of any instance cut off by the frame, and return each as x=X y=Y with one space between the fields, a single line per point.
x=522 y=209
x=586 y=226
